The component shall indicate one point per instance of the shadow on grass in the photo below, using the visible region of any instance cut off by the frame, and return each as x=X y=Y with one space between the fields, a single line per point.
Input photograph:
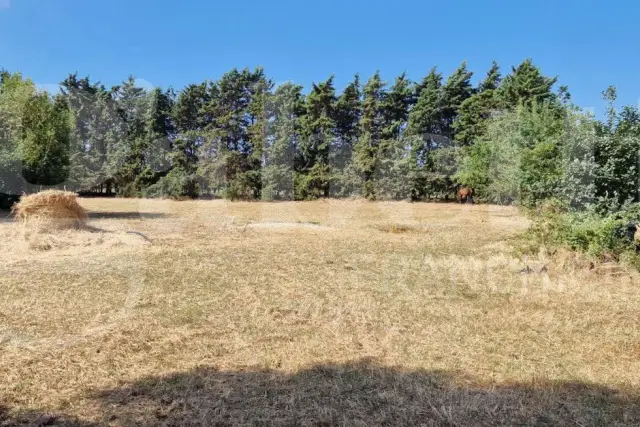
x=6 y=215
x=360 y=393
x=124 y=215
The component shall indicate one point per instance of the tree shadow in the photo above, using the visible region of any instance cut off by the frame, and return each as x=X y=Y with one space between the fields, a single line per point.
x=359 y=393
x=124 y=215
x=38 y=419
x=6 y=216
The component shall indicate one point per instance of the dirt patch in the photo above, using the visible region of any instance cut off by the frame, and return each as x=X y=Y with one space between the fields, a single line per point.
x=397 y=228
x=286 y=226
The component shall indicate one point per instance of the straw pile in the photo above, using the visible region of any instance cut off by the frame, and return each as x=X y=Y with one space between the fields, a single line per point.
x=50 y=210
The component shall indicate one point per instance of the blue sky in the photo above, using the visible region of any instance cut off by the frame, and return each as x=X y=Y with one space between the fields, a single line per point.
x=589 y=44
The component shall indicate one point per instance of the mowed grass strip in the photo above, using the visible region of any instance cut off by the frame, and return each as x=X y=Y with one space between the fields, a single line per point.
x=346 y=322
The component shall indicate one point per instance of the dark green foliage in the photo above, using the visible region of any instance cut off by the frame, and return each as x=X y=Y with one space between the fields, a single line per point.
x=425 y=117
x=455 y=91
x=235 y=129
x=440 y=178
x=598 y=235
x=348 y=112
x=318 y=136
x=95 y=120
x=425 y=126
x=391 y=171
x=15 y=93
x=46 y=134
x=8 y=200
x=617 y=154
x=526 y=84
x=513 y=139
x=474 y=112
x=366 y=151
x=395 y=108
x=286 y=107
x=492 y=79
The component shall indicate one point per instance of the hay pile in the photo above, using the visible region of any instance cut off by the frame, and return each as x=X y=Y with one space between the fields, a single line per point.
x=50 y=210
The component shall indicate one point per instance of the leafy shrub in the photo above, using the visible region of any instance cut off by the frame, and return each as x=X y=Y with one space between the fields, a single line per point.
x=587 y=231
x=176 y=185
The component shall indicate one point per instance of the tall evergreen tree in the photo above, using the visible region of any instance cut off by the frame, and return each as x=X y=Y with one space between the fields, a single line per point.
x=492 y=79
x=348 y=112
x=526 y=84
x=286 y=109
x=260 y=88
x=396 y=106
x=425 y=118
x=371 y=124
x=128 y=158
x=159 y=132
x=230 y=155
x=98 y=129
x=424 y=131
x=474 y=112
x=455 y=91
x=190 y=121
x=318 y=135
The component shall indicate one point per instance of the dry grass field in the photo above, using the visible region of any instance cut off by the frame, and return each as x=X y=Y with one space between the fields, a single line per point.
x=327 y=313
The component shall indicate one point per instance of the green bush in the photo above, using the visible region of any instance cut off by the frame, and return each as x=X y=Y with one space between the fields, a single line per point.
x=176 y=185
x=588 y=232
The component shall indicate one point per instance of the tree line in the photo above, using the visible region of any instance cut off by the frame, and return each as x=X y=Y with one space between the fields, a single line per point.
x=514 y=138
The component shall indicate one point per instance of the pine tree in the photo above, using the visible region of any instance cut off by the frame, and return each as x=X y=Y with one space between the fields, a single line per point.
x=96 y=124
x=425 y=119
x=424 y=131
x=128 y=159
x=474 y=112
x=231 y=153
x=455 y=91
x=158 y=131
x=396 y=106
x=526 y=85
x=492 y=79
x=371 y=125
x=318 y=135
x=259 y=91
x=348 y=112
x=190 y=122
x=286 y=108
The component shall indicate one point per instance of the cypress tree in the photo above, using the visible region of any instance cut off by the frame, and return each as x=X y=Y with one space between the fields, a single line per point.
x=424 y=130
x=474 y=112
x=371 y=125
x=348 y=113
x=318 y=135
x=396 y=106
x=286 y=108
x=455 y=91
x=526 y=85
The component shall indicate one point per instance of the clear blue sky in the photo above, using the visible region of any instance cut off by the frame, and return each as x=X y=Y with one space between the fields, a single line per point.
x=589 y=44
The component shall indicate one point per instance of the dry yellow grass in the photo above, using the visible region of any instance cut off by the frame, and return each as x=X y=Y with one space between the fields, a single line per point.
x=50 y=210
x=319 y=313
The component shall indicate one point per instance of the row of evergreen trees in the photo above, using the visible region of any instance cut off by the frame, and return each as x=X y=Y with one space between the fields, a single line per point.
x=241 y=137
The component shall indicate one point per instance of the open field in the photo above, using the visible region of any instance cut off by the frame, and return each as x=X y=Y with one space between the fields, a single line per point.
x=321 y=313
